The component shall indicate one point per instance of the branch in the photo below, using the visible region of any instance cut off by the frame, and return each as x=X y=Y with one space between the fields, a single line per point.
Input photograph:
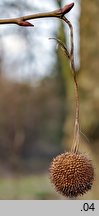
x=22 y=21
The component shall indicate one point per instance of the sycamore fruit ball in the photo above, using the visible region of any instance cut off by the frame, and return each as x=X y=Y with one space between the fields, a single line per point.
x=72 y=174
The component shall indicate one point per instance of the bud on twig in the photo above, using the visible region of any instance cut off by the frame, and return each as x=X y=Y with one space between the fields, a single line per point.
x=25 y=23
x=66 y=8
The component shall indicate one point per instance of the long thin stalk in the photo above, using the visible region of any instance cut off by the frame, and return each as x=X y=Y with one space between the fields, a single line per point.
x=76 y=138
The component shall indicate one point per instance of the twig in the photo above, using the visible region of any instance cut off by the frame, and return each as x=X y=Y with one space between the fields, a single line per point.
x=22 y=21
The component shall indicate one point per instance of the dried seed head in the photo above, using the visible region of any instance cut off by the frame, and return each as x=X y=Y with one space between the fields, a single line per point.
x=72 y=174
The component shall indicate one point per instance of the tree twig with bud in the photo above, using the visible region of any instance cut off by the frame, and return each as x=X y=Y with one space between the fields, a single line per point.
x=22 y=21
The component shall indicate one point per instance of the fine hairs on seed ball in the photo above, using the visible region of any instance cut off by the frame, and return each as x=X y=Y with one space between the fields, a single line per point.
x=72 y=174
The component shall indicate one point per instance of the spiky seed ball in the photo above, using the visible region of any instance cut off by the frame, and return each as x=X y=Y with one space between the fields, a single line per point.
x=72 y=174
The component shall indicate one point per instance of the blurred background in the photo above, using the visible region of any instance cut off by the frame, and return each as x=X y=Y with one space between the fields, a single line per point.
x=37 y=96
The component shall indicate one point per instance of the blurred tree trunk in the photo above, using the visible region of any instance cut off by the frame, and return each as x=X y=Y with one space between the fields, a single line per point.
x=1 y=57
x=89 y=78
